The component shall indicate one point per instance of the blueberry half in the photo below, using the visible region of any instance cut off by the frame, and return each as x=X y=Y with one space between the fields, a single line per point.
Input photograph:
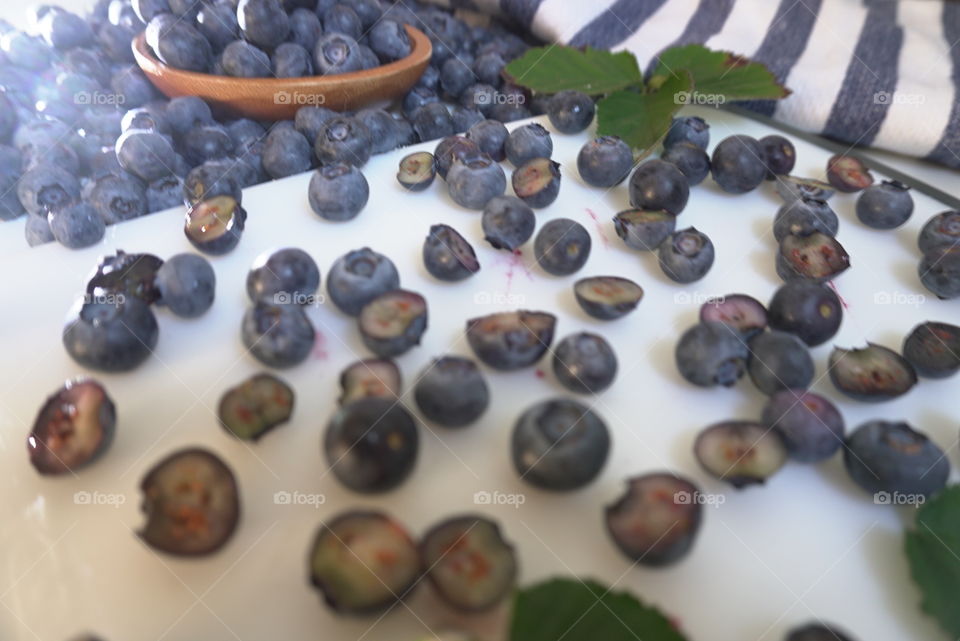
x=74 y=427
x=393 y=322
x=511 y=340
x=607 y=297
x=741 y=453
x=377 y=377
x=255 y=406
x=871 y=374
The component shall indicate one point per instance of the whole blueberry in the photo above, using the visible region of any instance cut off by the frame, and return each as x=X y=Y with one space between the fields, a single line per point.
x=507 y=222
x=778 y=361
x=338 y=192
x=336 y=53
x=187 y=285
x=644 y=230
x=779 y=155
x=37 y=230
x=942 y=230
x=605 y=161
x=277 y=335
x=384 y=134
x=452 y=148
x=711 y=354
x=885 y=206
x=692 y=161
x=151 y=117
x=218 y=23
x=585 y=363
x=805 y=216
x=689 y=129
x=562 y=247
x=146 y=154
x=892 y=457
x=25 y=51
x=64 y=30
x=447 y=255
x=430 y=79
x=452 y=392
x=343 y=140
x=181 y=46
x=114 y=41
x=939 y=271
x=369 y=11
x=464 y=118
x=186 y=112
x=657 y=184
x=511 y=340
x=241 y=59
x=118 y=198
x=686 y=255
x=358 y=277
x=132 y=86
x=432 y=121
x=817 y=632
x=114 y=335
x=212 y=179
x=389 y=40
x=207 y=142
x=809 y=310
x=738 y=164
x=47 y=187
x=537 y=182
x=310 y=120
x=933 y=349
x=810 y=426
x=305 y=28
x=479 y=96
x=528 y=142
x=490 y=136
x=76 y=225
x=455 y=77
x=291 y=60
x=474 y=180
x=263 y=22
x=418 y=97
x=340 y=18
x=571 y=111
x=285 y=276
x=286 y=152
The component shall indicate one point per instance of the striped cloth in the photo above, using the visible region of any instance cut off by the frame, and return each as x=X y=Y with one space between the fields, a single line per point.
x=875 y=73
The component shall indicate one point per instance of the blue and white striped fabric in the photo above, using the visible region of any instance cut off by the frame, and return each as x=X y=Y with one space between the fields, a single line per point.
x=875 y=73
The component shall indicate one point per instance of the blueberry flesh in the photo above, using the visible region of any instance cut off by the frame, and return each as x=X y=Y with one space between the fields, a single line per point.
x=507 y=222
x=285 y=276
x=942 y=230
x=562 y=247
x=474 y=179
x=528 y=142
x=359 y=276
x=607 y=297
x=871 y=374
x=711 y=354
x=537 y=182
x=810 y=426
x=803 y=217
x=817 y=632
x=559 y=445
x=511 y=340
x=779 y=155
x=644 y=230
x=363 y=562
x=490 y=136
x=585 y=363
x=886 y=456
x=933 y=349
x=690 y=129
x=885 y=206
x=371 y=444
x=657 y=184
x=110 y=335
x=255 y=406
x=571 y=111
x=692 y=161
x=605 y=161
x=453 y=148
x=737 y=164
x=393 y=322
x=656 y=521
x=447 y=255
x=791 y=188
x=469 y=563
x=939 y=271
x=214 y=226
x=848 y=174
x=125 y=275
x=338 y=192
x=451 y=391
x=76 y=225
x=370 y=377
x=810 y=310
x=187 y=285
x=192 y=503
x=686 y=256
x=816 y=257
x=417 y=171
x=779 y=360
x=74 y=427
x=744 y=313
x=742 y=453
x=277 y=335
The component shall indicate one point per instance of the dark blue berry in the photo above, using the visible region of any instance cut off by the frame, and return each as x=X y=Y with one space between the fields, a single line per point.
x=305 y=28
x=218 y=23
x=817 y=632
x=474 y=180
x=186 y=112
x=791 y=188
x=810 y=426
x=181 y=46
x=737 y=164
x=291 y=60
x=338 y=192
x=286 y=276
x=337 y=53
x=45 y=188
x=432 y=121
x=511 y=340
x=528 y=142
x=585 y=363
x=605 y=161
x=389 y=40
x=241 y=59
x=686 y=256
x=263 y=22
x=384 y=134
x=779 y=155
x=76 y=225
x=118 y=198
x=464 y=118
x=451 y=391
x=453 y=148
x=111 y=335
x=146 y=154
x=711 y=354
x=187 y=285
x=212 y=179
x=286 y=152
x=692 y=161
x=562 y=247
x=358 y=277
x=417 y=98
x=455 y=77
x=803 y=217
x=778 y=361
x=933 y=349
x=810 y=310
x=571 y=111
x=939 y=271
x=885 y=206
x=340 y=18
x=507 y=222
x=490 y=136
x=657 y=184
x=214 y=225
x=310 y=120
x=884 y=456
x=942 y=230
x=343 y=140
x=688 y=129
x=207 y=142
x=277 y=335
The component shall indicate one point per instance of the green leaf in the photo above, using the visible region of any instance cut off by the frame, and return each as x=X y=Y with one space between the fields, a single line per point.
x=933 y=551
x=642 y=119
x=572 y=610
x=559 y=68
x=719 y=73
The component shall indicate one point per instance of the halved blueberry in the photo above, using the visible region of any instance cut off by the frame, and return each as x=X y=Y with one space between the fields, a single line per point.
x=256 y=406
x=741 y=453
x=74 y=427
x=872 y=373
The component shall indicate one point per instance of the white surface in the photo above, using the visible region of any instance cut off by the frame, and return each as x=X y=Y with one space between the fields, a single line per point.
x=810 y=544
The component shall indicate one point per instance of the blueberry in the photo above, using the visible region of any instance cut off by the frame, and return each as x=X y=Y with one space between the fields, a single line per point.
x=364 y=562
x=810 y=426
x=688 y=129
x=571 y=111
x=942 y=230
x=657 y=184
x=511 y=340
x=885 y=206
x=369 y=11
x=76 y=225
x=255 y=406
x=25 y=51
x=393 y=323
x=417 y=171
x=187 y=284
x=810 y=310
x=656 y=521
x=384 y=134
x=310 y=120
x=644 y=230
x=370 y=377
x=871 y=374
x=490 y=136
x=263 y=22
x=285 y=153
x=151 y=118
x=305 y=28
x=358 y=277
x=848 y=174
x=336 y=53
x=537 y=182
x=291 y=60
x=744 y=313
x=241 y=59
x=192 y=503
x=146 y=154
x=562 y=247
x=74 y=428
x=452 y=392
x=933 y=349
x=338 y=192
x=118 y=198
x=779 y=360
x=711 y=354
x=181 y=46
x=447 y=255
x=343 y=139
x=389 y=40
x=110 y=335
x=779 y=155
x=147 y=9
x=214 y=225
x=464 y=118
x=805 y=216
x=218 y=24
x=114 y=41
x=371 y=444
x=417 y=98
x=816 y=257
x=340 y=18
x=468 y=562
x=186 y=112
x=605 y=161
x=507 y=222
x=607 y=297
x=455 y=77
x=528 y=142
x=887 y=456
x=737 y=164
x=479 y=96
x=125 y=275
x=277 y=335
x=453 y=148
x=207 y=142
x=686 y=255
x=37 y=231
x=474 y=180
x=741 y=453
x=132 y=86
x=560 y=445
x=585 y=363
x=285 y=276
x=817 y=632
x=791 y=188
x=211 y=180
x=939 y=271
x=432 y=121
x=488 y=68
x=64 y=30
x=430 y=79
x=46 y=188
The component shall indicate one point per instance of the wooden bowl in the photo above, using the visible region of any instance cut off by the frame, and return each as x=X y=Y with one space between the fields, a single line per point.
x=280 y=98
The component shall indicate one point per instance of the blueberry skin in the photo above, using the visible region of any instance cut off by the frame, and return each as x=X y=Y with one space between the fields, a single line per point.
x=151 y=118
x=186 y=112
x=885 y=206
x=285 y=153
x=336 y=53
x=278 y=336
x=241 y=59
x=111 y=336
x=218 y=24
x=452 y=148
x=448 y=256
x=805 y=216
x=711 y=354
x=737 y=164
x=310 y=120
x=778 y=361
x=432 y=121
x=338 y=192
x=209 y=180
x=692 y=161
x=779 y=155
x=146 y=154
x=809 y=310
x=285 y=276
x=562 y=247
x=511 y=340
x=644 y=230
x=559 y=445
x=474 y=180
x=305 y=28
x=464 y=118
x=689 y=129
x=585 y=363
x=358 y=277
x=343 y=140
x=605 y=161
x=384 y=134
x=118 y=198
x=45 y=188
x=942 y=230
x=657 y=184
x=686 y=255
x=490 y=136
x=340 y=18
x=940 y=272
x=883 y=456
x=207 y=142
x=389 y=40
x=263 y=22
x=369 y=12
x=507 y=222
x=571 y=112
x=452 y=392
x=817 y=632
x=933 y=349
x=181 y=46
x=187 y=285
x=291 y=60
x=455 y=77
x=417 y=98
x=528 y=142
x=488 y=67
x=37 y=231
x=76 y=225
x=479 y=96
x=810 y=426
